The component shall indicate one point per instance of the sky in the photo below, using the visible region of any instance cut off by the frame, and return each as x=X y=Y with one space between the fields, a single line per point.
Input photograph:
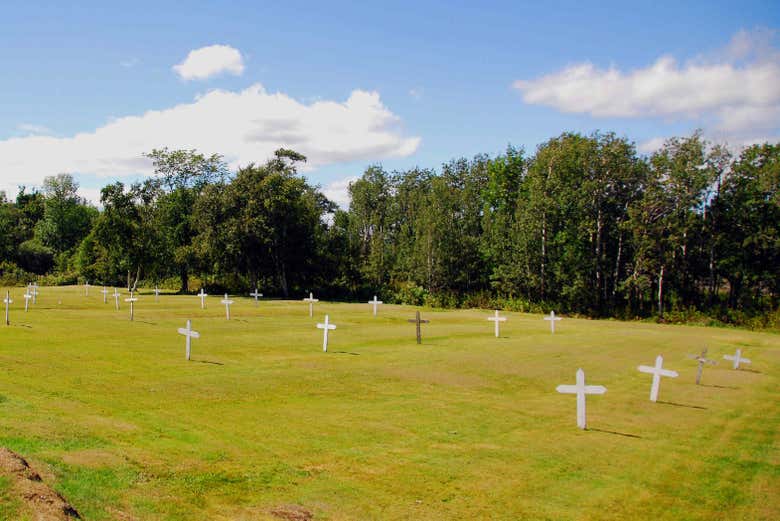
x=88 y=87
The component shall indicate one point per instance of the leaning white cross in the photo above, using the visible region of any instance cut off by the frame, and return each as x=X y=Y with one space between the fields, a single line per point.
x=737 y=358
x=553 y=319
x=116 y=296
x=256 y=294
x=375 y=302
x=497 y=319
x=7 y=301
x=657 y=371
x=131 y=300
x=311 y=300
x=580 y=389
x=156 y=294
x=189 y=334
x=104 y=291
x=227 y=302
x=325 y=327
x=202 y=296
x=703 y=360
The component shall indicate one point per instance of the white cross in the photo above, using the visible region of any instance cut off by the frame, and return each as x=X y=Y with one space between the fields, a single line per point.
x=104 y=291
x=131 y=300
x=189 y=334
x=227 y=302
x=86 y=288
x=7 y=301
x=703 y=360
x=116 y=296
x=311 y=300
x=580 y=389
x=256 y=294
x=35 y=293
x=496 y=319
x=657 y=371
x=156 y=294
x=325 y=327
x=375 y=302
x=553 y=319
x=737 y=358
x=202 y=296
x=27 y=298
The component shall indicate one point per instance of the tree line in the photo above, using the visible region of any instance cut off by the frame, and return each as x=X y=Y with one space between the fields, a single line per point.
x=584 y=225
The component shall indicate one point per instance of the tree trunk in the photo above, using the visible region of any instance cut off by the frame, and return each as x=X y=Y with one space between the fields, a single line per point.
x=185 y=279
x=661 y=293
x=544 y=254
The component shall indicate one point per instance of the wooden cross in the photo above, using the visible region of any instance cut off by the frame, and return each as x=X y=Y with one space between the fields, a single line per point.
x=189 y=334
x=131 y=300
x=737 y=358
x=116 y=296
x=580 y=389
x=702 y=359
x=202 y=296
x=311 y=300
x=496 y=320
x=325 y=327
x=657 y=371
x=104 y=291
x=227 y=302
x=27 y=298
x=256 y=294
x=553 y=319
x=7 y=302
x=156 y=294
x=375 y=302
x=418 y=321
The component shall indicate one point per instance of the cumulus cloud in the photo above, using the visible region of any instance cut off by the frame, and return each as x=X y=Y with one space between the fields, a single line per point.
x=338 y=191
x=210 y=61
x=734 y=93
x=31 y=128
x=245 y=126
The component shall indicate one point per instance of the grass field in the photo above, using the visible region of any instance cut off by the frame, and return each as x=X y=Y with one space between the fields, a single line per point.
x=466 y=426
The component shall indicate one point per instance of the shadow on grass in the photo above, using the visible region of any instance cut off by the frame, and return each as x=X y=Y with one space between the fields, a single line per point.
x=745 y=369
x=720 y=386
x=206 y=362
x=145 y=322
x=344 y=353
x=682 y=405
x=615 y=432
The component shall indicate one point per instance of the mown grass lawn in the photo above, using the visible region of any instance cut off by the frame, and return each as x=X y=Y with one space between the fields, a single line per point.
x=466 y=426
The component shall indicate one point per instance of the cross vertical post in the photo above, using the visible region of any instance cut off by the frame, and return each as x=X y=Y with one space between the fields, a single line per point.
x=657 y=371
x=325 y=327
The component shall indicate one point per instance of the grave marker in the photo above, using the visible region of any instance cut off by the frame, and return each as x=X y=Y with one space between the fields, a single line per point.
x=657 y=371
x=325 y=327
x=131 y=300
x=256 y=295
x=189 y=334
x=86 y=288
x=35 y=293
x=156 y=294
x=311 y=300
x=202 y=296
x=104 y=291
x=702 y=359
x=375 y=302
x=27 y=298
x=418 y=321
x=737 y=358
x=580 y=389
x=116 y=296
x=7 y=302
x=553 y=319
x=227 y=302
x=496 y=320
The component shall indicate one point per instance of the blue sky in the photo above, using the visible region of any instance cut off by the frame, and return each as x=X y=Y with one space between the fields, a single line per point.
x=435 y=80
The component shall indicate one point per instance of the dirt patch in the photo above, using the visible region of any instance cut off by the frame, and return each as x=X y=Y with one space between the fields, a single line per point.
x=93 y=458
x=38 y=497
x=292 y=513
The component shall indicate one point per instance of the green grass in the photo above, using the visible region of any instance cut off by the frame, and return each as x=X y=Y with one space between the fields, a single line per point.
x=465 y=426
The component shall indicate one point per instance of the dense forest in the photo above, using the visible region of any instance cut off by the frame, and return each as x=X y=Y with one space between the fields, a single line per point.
x=584 y=225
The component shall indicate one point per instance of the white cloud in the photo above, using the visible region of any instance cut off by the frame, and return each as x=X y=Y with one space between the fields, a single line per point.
x=245 y=126
x=209 y=61
x=32 y=129
x=734 y=93
x=338 y=191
